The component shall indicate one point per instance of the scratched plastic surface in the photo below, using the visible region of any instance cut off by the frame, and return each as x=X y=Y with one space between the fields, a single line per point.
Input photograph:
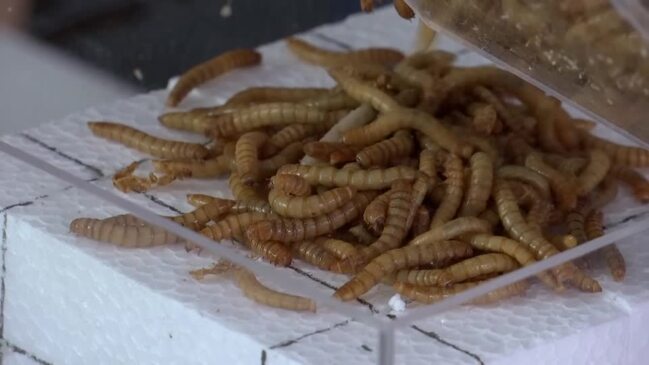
x=141 y=306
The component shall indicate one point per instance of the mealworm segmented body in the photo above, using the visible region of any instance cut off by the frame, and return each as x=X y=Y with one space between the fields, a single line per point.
x=381 y=153
x=431 y=294
x=197 y=218
x=254 y=290
x=596 y=170
x=452 y=229
x=522 y=173
x=311 y=206
x=503 y=113
x=340 y=249
x=364 y=93
x=198 y=200
x=362 y=235
x=314 y=253
x=403 y=118
x=480 y=265
x=259 y=206
x=436 y=277
x=563 y=186
x=331 y=101
x=371 y=179
x=292 y=230
x=297 y=132
x=268 y=94
x=240 y=190
x=233 y=225
x=154 y=146
x=635 y=180
x=421 y=222
x=276 y=253
x=124 y=235
x=332 y=152
x=620 y=155
x=484 y=119
x=288 y=155
x=192 y=121
x=480 y=184
x=246 y=155
x=454 y=173
x=612 y=255
x=375 y=213
x=210 y=69
x=312 y=54
x=401 y=258
x=291 y=184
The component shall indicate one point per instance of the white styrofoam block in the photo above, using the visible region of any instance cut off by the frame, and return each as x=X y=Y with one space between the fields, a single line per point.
x=122 y=303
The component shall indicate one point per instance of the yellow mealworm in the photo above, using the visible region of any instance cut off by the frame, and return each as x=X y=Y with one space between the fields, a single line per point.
x=340 y=249
x=372 y=179
x=381 y=153
x=291 y=184
x=192 y=121
x=233 y=225
x=288 y=155
x=521 y=253
x=276 y=253
x=331 y=101
x=311 y=206
x=563 y=186
x=195 y=168
x=421 y=222
x=425 y=277
x=375 y=213
x=312 y=54
x=154 y=146
x=124 y=235
x=490 y=216
x=259 y=206
x=403 y=9
x=484 y=119
x=597 y=168
x=212 y=211
x=526 y=175
x=572 y=166
x=389 y=123
x=635 y=180
x=292 y=230
x=454 y=173
x=240 y=190
x=198 y=200
x=210 y=69
x=564 y=242
x=332 y=152
x=480 y=184
x=452 y=229
x=539 y=209
x=313 y=253
x=253 y=117
x=362 y=235
x=619 y=154
x=126 y=219
x=246 y=155
x=480 y=265
x=612 y=255
x=364 y=93
x=297 y=132
x=503 y=112
x=575 y=219
x=267 y=94
x=401 y=258
x=433 y=294
x=256 y=291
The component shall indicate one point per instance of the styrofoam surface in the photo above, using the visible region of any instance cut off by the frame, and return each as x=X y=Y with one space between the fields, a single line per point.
x=71 y=300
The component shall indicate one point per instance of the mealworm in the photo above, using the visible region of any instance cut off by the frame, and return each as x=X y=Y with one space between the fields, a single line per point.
x=575 y=219
x=539 y=209
x=198 y=200
x=291 y=184
x=403 y=9
x=259 y=206
x=314 y=253
x=521 y=253
x=154 y=146
x=213 y=167
x=364 y=93
x=433 y=294
x=454 y=173
x=518 y=148
x=564 y=188
x=268 y=94
x=218 y=268
x=490 y=216
x=124 y=235
x=256 y=291
x=276 y=253
x=434 y=277
x=564 y=242
x=371 y=179
x=292 y=230
x=390 y=122
x=619 y=154
x=210 y=69
x=606 y=193
x=547 y=128
x=381 y=153
x=597 y=168
x=125 y=180
x=421 y=222
x=400 y=258
x=635 y=180
x=332 y=152
x=246 y=155
x=571 y=166
x=240 y=190
x=340 y=249
x=212 y=211
x=566 y=132
x=233 y=225
x=480 y=184
x=526 y=175
x=312 y=54
x=452 y=229
x=288 y=155
x=297 y=132
x=374 y=214
x=425 y=37
x=126 y=219
x=612 y=255
x=192 y=121
x=311 y=206
x=484 y=119
x=480 y=265
x=503 y=112
x=257 y=116
x=362 y=235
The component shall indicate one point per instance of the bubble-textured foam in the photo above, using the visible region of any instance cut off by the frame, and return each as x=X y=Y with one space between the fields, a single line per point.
x=72 y=300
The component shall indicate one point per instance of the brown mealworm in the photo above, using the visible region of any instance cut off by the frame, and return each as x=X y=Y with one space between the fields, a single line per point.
x=233 y=225
x=371 y=179
x=297 y=132
x=322 y=57
x=364 y=92
x=503 y=112
x=480 y=265
x=375 y=213
x=619 y=154
x=210 y=69
x=198 y=200
x=259 y=206
x=527 y=176
x=400 y=258
x=124 y=235
x=480 y=184
x=484 y=119
x=313 y=253
x=452 y=229
x=212 y=211
x=403 y=9
x=268 y=94
x=192 y=121
x=291 y=184
x=276 y=253
x=612 y=255
x=332 y=152
x=433 y=294
x=454 y=173
x=340 y=249
x=154 y=146
x=256 y=291
x=335 y=100
x=575 y=220
x=381 y=153
x=246 y=155
x=596 y=170
x=311 y=206
x=563 y=186
x=362 y=235
x=240 y=190
x=421 y=222
x=635 y=180
x=213 y=167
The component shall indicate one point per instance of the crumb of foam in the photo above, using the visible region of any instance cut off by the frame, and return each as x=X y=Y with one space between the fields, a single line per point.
x=397 y=304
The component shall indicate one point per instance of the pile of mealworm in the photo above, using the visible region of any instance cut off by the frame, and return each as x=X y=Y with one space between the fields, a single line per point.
x=418 y=174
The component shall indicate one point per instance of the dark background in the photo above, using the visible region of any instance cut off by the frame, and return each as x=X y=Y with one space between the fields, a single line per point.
x=162 y=38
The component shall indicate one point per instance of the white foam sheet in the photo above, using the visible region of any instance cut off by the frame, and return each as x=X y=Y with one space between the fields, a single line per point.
x=72 y=300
